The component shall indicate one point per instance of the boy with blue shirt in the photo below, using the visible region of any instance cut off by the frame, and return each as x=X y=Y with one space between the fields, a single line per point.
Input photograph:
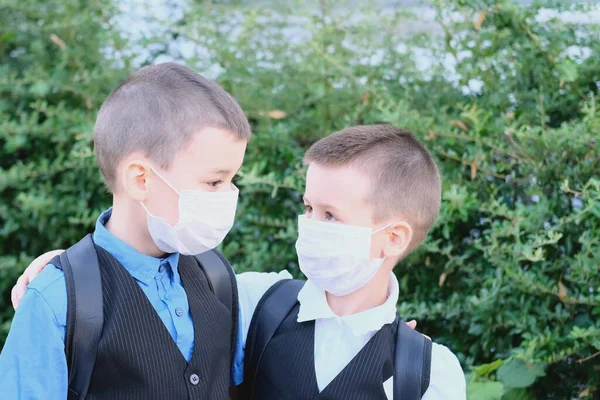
x=168 y=143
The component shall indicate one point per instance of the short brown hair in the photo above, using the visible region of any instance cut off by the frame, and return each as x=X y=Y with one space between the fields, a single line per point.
x=156 y=111
x=406 y=180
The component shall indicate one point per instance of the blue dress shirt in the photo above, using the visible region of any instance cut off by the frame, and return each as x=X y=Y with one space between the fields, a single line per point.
x=32 y=362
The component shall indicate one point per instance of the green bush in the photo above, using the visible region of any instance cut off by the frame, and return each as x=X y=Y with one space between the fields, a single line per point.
x=54 y=74
x=508 y=277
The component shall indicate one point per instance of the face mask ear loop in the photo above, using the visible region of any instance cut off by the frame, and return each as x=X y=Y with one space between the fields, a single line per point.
x=382 y=228
x=146 y=208
x=164 y=180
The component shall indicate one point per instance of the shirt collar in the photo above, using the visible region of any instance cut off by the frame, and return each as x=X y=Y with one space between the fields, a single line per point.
x=141 y=266
x=313 y=306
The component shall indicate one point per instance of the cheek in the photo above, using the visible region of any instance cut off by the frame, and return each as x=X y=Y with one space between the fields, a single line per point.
x=166 y=207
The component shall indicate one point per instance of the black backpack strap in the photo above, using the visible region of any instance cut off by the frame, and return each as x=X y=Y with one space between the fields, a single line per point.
x=412 y=367
x=270 y=312
x=223 y=283
x=85 y=313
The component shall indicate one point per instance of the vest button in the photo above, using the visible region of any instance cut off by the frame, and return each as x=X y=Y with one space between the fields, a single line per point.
x=194 y=379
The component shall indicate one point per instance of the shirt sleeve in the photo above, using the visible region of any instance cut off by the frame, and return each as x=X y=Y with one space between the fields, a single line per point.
x=32 y=362
x=447 y=380
x=251 y=288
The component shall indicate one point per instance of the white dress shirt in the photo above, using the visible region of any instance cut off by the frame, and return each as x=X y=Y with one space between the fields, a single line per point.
x=339 y=339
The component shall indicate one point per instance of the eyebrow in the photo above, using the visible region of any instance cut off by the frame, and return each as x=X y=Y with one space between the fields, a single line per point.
x=324 y=205
x=223 y=171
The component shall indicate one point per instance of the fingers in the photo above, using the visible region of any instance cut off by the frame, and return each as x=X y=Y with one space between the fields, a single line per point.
x=412 y=324
x=29 y=274
x=39 y=263
x=18 y=291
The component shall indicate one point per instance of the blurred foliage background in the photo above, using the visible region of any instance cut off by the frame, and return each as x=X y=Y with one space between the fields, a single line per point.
x=503 y=94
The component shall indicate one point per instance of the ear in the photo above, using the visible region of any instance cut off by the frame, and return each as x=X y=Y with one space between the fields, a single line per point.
x=399 y=236
x=136 y=178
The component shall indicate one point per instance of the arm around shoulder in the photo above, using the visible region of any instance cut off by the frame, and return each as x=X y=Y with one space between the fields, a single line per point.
x=251 y=288
x=33 y=361
x=447 y=380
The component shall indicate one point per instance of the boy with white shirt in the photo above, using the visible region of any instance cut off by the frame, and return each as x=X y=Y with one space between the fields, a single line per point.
x=372 y=193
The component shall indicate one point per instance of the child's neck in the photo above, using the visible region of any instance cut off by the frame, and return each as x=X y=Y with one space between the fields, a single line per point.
x=373 y=294
x=128 y=224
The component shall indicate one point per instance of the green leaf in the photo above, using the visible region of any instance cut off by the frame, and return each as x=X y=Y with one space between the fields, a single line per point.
x=40 y=88
x=486 y=369
x=487 y=390
x=517 y=394
x=516 y=374
x=567 y=70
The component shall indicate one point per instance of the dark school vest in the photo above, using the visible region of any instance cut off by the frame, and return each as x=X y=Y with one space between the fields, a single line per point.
x=287 y=368
x=137 y=357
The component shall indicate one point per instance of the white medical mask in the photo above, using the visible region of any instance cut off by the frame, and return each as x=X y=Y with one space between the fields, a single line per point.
x=205 y=218
x=334 y=257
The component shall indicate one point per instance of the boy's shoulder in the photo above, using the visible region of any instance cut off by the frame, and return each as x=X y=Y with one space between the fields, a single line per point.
x=51 y=286
x=48 y=280
x=447 y=375
x=444 y=355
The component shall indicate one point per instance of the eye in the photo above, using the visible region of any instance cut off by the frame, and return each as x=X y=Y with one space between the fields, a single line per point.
x=214 y=184
x=308 y=208
x=330 y=217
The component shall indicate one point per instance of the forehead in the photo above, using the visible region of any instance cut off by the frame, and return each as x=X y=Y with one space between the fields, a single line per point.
x=343 y=186
x=212 y=150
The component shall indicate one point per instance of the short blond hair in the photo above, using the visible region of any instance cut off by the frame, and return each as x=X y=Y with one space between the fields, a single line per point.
x=406 y=180
x=156 y=111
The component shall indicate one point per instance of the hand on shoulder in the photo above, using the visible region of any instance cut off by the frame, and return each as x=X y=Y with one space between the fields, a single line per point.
x=29 y=274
